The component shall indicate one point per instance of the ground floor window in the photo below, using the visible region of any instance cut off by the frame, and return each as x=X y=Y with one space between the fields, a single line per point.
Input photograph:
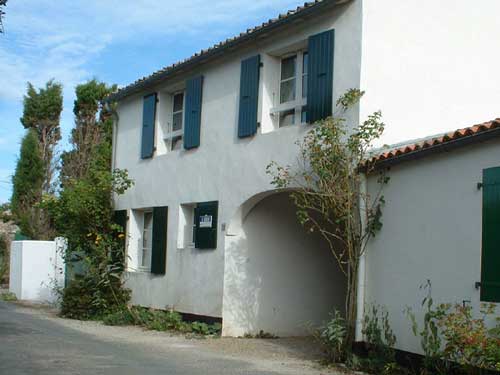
x=198 y=225
x=186 y=236
x=146 y=240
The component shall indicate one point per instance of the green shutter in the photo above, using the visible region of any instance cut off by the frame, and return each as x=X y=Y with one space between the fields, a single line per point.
x=159 y=246
x=120 y=218
x=206 y=225
x=249 y=96
x=320 y=76
x=148 y=126
x=490 y=263
x=194 y=88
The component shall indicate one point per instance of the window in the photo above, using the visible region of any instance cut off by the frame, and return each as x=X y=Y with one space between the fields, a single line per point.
x=187 y=226
x=146 y=240
x=288 y=79
x=173 y=137
x=292 y=89
x=206 y=225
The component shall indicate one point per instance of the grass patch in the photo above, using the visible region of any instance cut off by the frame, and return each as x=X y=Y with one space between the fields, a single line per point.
x=160 y=320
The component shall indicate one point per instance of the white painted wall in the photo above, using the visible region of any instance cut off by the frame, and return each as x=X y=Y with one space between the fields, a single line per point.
x=278 y=278
x=431 y=231
x=430 y=66
x=223 y=168
x=36 y=267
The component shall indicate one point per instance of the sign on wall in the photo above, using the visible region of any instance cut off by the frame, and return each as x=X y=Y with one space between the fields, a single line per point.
x=206 y=221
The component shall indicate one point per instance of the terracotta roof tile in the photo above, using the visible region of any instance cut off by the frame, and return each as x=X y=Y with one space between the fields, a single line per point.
x=398 y=151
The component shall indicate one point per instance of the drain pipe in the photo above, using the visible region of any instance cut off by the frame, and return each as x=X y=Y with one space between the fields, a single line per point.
x=360 y=294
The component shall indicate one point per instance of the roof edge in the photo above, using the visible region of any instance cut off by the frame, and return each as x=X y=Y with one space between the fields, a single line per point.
x=218 y=49
x=432 y=145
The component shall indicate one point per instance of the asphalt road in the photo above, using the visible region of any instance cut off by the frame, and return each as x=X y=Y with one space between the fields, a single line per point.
x=30 y=344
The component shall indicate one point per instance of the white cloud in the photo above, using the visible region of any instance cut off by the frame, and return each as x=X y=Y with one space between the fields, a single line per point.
x=54 y=39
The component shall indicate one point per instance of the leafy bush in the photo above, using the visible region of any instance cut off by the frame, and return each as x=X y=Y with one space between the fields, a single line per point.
x=120 y=318
x=454 y=341
x=159 y=320
x=430 y=339
x=8 y=297
x=86 y=298
x=380 y=340
x=333 y=335
x=4 y=259
x=83 y=215
x=379 y=337
x=468 y=342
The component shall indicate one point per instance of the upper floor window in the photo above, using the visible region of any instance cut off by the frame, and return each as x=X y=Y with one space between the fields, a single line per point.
x=175 y=132
x=292 y=89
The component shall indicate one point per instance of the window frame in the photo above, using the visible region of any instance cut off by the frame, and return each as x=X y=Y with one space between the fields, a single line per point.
x=187 y=226
x=141 y=266
x=170 y=134
x=300 y=101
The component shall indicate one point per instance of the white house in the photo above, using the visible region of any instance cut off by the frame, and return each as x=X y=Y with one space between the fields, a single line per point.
x=440 y=223
x=207 y=235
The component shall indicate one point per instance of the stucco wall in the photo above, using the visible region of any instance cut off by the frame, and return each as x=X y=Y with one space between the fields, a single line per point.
x=431 y=231
x=36 y=268
x=430 y=64
x=223 y=168
x=278 y=278
x=15 y=269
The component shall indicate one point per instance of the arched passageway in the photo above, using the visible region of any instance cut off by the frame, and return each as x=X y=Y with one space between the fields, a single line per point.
x=277 y=278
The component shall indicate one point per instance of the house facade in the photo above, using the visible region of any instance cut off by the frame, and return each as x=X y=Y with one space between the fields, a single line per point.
x=440 y=225
x=206 y=233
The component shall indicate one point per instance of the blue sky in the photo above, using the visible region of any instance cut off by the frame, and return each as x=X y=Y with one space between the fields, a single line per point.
x=116 y=41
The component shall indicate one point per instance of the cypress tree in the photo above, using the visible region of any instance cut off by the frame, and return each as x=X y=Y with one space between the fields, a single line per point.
x=42 y=113
x=27 y=187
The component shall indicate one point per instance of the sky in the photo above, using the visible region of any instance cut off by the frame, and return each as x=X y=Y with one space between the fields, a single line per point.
x=116 y=41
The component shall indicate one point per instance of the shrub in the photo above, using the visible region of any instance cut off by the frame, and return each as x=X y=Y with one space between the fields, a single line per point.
x=206 y=329
x=159 y=320
x=120 y=318
x=430 y=339
x=88 y=298
x=333 y=335
x=4 y=259
x=8 y=297
x=468 y=342
x=454 y=341
x=380 y=341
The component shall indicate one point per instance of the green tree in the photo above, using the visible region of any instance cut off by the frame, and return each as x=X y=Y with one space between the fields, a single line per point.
x=91 y=136
x=42 y=113
x=27 y=188
x=328 y=193
x=2 y=13
x=83 y=211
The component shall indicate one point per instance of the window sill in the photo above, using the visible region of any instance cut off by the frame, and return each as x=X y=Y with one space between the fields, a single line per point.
x=190 y=246
x=141 y=270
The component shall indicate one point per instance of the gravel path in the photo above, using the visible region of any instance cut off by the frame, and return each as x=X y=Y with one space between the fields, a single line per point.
x=293 y=356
